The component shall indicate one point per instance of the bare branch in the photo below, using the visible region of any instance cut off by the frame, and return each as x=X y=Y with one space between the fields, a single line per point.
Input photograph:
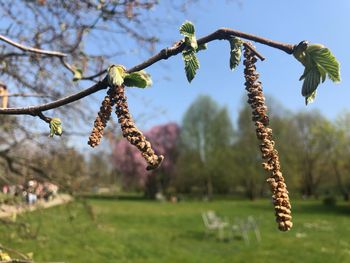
x=25 y=95
x=220 y=34
x=35 y=110
x=32 y=49
x=255 y=52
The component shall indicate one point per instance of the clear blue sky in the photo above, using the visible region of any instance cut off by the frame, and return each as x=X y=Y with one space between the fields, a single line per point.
x=318 y=21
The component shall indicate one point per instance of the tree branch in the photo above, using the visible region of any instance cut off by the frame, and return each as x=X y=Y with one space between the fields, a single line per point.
x=32 y=49
x=220 y=34
x=35 y=110
x=26 y=95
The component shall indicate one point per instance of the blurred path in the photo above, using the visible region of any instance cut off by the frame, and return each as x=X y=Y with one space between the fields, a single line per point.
x=10 y=210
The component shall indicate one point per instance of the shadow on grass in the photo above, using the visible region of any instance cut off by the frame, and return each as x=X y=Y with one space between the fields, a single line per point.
x=322 y=209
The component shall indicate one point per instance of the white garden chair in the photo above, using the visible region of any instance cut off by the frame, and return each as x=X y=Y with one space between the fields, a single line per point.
x=214 y=223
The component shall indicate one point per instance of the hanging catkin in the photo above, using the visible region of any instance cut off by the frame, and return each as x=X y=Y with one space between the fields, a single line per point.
x=102 y=118
x=132 y=133
x=256 y=100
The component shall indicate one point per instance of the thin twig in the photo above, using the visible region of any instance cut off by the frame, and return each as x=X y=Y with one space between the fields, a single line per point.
x=253 y=49
x=43 y=117
x=220 y=34
x=32 y=49
x=26 y=95
x=66 y=65
x=33 y=110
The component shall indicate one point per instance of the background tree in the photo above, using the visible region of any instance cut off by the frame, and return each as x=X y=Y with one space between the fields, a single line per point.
x=132 y=166
x=206 y=136
x=247 y=156
x=311 y=151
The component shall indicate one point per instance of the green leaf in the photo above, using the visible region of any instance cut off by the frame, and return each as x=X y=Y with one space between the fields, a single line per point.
x=187 y=29
x=326 y=62
x=191 y=64
x=189 y=54
x=236 y=52
x=319 y=63
x=116 y=74
x=78 y=74
x=139 y=79
x=55 y=127
x=299 y=51
x=311 y=82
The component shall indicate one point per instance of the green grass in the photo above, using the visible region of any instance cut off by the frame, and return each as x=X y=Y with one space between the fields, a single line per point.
x=141 y=231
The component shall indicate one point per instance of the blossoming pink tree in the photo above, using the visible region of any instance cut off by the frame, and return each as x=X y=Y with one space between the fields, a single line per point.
x=132 y=166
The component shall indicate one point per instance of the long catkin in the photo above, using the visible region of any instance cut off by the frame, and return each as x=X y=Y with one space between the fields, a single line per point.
x=271 y=164
x=132 y=133
x=102 y=118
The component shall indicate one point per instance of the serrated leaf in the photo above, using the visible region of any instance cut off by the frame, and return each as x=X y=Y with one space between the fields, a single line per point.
x=311 y=81
x=78 y=74
x=319 y=63
x=189 y=54
x=55 y=127
x=191 y=64
x=187 y=29
x=235 y=52
x=139 y=79
x=116 y=74
x=326 y=62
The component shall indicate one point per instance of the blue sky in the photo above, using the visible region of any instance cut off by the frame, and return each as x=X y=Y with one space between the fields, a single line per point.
x=315 y=21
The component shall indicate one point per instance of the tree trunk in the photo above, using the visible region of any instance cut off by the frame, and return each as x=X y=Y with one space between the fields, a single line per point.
x=343 y=190
x=209 y=187
x=151 y=187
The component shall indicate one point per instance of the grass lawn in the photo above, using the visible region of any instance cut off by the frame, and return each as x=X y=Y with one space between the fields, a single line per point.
x=141 y=231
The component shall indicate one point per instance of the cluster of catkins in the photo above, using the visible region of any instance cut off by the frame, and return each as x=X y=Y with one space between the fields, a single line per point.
x=116 y=96
x=271 y=164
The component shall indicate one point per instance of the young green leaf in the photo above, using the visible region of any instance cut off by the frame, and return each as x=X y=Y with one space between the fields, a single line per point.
x=116 y=74
x=325 y=61
x=191 y=64
x=139 y=79
x=311 y=82
x=319 y=63
x=55 y=127
x=78 y=74
x=189 y=54
x=236 y=52
x=299 y=51
x=187 y=29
